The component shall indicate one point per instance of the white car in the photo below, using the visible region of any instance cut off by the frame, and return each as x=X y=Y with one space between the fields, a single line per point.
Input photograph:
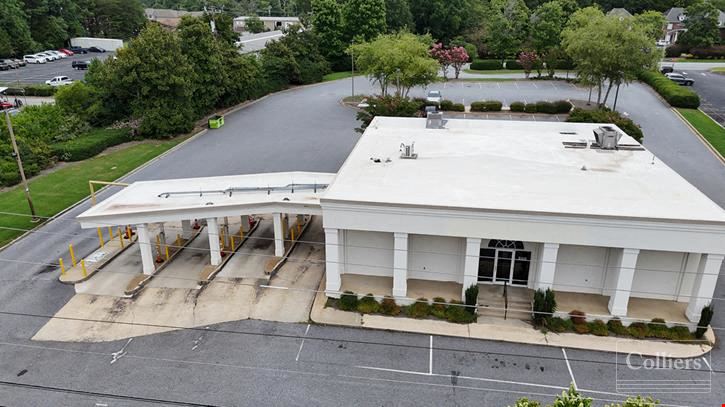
x=48 y=56
x=59 y=54
x=434 y=96
x=59 y=81
x=34 y=59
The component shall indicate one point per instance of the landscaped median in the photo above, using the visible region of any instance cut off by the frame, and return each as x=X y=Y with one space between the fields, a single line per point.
x=674 y=94
x=712 y=132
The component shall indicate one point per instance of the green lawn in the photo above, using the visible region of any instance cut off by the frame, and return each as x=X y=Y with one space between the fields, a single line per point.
x=711 y=130
x=718 y=70
x=59 y=189
x=337 y=75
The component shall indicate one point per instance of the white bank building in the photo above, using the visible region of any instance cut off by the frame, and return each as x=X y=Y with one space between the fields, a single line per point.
x=429 y=207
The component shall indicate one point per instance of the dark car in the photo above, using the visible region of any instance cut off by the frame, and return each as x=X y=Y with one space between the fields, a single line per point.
x=667 y=69
x=78 y=50
x=96 y=49
x=80 y=65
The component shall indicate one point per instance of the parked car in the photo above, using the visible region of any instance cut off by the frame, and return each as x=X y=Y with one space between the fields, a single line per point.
x=20 y=62
x=66 y=51
x=680 y=79
x=78 y=50
x=58 y=54
x=96 y=49
x=59 y=81
x=80 y=65
x=667 y=69
x=48 y=57
x=434 y=96
x=4 y=66
x=12 y=64
x=34 y=59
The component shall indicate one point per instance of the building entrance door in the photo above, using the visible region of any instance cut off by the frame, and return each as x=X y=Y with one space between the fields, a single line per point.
x=504 y=263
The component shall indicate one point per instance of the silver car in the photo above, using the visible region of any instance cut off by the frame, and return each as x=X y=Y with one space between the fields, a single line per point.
x=434 y=96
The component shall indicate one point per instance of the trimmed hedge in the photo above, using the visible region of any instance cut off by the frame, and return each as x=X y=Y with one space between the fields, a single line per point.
x=486 y=106
x=675 y=50
x=674 y=94
x=88 y=145
x=449 y=106
x=714 y=52
x=31 y=90
x=607 y=116
x=517 y=106
x=486 y=64
x=513 y=64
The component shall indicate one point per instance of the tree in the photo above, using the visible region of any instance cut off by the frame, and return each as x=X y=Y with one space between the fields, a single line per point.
x=224 y=27
x=443 y=56
x=204 y=53
x=572 y=398
x=398 y=15
x=399 y=60
x=327 y=24
x=294 y=59
x=608 y=50
x=363 y=20
x=528 y=61
x=702 y=25
x=15 y=38
x=507 y=26
x=254 y=24
x=546 y=24
x=459 y=57
x=445 y=19
x=115 y=19
x=652 y=22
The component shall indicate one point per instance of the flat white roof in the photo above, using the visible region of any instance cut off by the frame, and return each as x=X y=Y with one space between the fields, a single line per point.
x=513 y=166
x=196 y=195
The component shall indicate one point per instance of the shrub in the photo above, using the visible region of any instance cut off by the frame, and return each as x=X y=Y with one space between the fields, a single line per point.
x=714 y=52
x=458 y=107
x=486 y=106
x=599 y=328
x=674 y=94
x=512 y=64
x=562 y=106
x=545 y=107
x=392 y=106
x=348 y=301
x=449 y=106
x=446 y=105
x=675 y=50
x=638 y=330
x=456 y=312
x=368 y=305
x=530 y=108
x=438 y=308
x=471 y=295
x=89 y=145
x=658 y=329
x=517 y=106
x=31 y=90
x=420 y=309
x=486 y=65
x=582 y=328
x=524 y=402
x=544 y=306
x=638 y=401
x=705 y=319
x=607 y=116
x=389 y=307
x=560 y=325
x=615 y=326
x=572 y=398
x=680 y=333
x=578 y=317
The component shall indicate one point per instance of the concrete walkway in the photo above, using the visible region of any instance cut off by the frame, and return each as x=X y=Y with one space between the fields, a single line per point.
x=511 y=330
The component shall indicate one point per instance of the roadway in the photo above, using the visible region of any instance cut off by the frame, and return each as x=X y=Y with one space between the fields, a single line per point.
x=307 y=129
x=711 y=88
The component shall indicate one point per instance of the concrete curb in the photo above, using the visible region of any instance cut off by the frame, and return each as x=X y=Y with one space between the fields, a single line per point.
x=699 y=135
x=102 y=265
x=224 y=262
x=499 y=332
x=284 y=258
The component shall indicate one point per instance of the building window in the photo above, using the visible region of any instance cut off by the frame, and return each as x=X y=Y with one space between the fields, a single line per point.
x=506 y=244
x=504 y=261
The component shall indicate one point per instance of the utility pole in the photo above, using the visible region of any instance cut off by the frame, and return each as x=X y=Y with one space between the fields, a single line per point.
x=20 y=166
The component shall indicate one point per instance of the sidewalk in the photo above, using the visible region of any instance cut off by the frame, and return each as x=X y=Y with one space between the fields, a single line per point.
x=95 y=261
x=501 y=330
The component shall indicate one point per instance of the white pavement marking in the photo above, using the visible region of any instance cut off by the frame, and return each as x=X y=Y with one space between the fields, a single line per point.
x=299 y=351
x=482 y=379
x=534 y=85
x=430 y=357
x=707 y=363
x=121 y=353
x=517 y=84
x=273 y=286
x=498 y=85
x=568 y=366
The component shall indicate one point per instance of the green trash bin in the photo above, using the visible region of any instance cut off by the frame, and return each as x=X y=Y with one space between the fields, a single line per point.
x=216 y=122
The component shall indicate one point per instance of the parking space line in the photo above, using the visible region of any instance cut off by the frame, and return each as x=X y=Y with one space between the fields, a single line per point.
x=534 y=85
x=299 y=351
x=568 y=366
x=498 y=85
x=707 y=363
x=430 y=357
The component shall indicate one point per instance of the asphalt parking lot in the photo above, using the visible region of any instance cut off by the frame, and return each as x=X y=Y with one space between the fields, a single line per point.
x=711 y=88
x=39 y=73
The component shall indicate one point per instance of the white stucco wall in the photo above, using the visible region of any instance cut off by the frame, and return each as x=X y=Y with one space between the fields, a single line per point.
x=580 y=269
x=436 y=258
x=658 y=274
x=369 y=253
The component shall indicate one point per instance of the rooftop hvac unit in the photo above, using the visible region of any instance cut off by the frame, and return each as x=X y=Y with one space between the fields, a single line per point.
x=607 y=137
x=407 y=151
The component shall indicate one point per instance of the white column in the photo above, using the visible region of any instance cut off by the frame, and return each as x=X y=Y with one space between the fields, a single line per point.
x=400 y=265
x=547 y=266
x=245 y=222
x=470 y=267
x=624 y=274
x=186 y=229
x=212 y=227
x=144 y=245
x=333 y=262
x=278 y=235
x=704 y=286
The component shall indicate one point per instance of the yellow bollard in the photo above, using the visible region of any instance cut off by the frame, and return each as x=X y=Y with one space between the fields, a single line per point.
x=128 y=232
x=100 y=236
x=167 y=252
x=299 y=228
x=178 y=241
x=83 y=267
x=120 y=237
x=72 y=255
x=232 y=237
x=292 y=233
x=110 y=233
x=62 y=267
